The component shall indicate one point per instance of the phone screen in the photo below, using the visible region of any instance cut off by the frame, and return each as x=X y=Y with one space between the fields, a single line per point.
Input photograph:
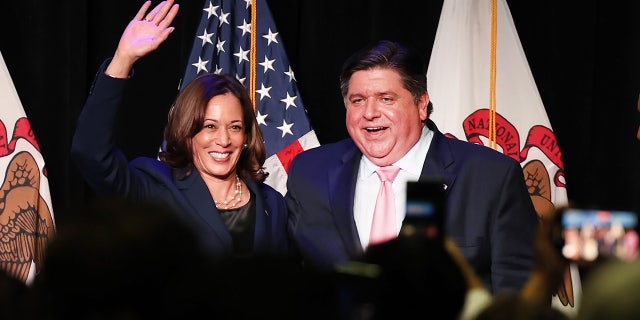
x=591 y=235
x=424 y=209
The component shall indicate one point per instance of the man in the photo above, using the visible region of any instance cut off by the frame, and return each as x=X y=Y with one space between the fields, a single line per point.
x=332 y=189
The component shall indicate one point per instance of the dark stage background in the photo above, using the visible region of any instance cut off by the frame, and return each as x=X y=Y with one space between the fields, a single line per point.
x=584 y=56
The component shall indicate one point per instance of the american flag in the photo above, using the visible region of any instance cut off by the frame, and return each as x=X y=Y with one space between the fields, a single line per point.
x=223 y=44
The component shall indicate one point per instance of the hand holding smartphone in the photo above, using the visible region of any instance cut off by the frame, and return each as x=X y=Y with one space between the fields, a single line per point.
x=425 y=206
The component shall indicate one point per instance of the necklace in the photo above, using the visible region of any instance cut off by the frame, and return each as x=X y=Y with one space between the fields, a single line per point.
x=234 y=200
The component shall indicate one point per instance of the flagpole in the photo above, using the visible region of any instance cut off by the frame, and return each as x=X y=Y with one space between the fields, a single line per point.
x=253 y=53
x=492 y=75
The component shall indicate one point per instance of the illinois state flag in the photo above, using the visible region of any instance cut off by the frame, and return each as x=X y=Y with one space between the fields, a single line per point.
x=26 y=217
x=483 y=91
x=239 y=37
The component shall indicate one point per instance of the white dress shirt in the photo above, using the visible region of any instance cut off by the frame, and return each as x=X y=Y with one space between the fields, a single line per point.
x=368 y=185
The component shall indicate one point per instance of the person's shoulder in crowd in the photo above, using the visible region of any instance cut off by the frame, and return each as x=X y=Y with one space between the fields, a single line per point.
x=610 y=291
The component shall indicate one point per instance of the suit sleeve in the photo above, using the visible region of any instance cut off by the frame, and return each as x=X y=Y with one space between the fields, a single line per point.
x=311 y=223
x=513 y=233
x=93 y=148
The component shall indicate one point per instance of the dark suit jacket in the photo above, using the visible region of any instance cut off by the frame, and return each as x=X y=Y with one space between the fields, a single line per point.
x=489 y=213
x=107 y=170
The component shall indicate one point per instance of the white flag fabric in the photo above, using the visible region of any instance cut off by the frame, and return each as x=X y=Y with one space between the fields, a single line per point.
x=459 y=82
x=26 y=215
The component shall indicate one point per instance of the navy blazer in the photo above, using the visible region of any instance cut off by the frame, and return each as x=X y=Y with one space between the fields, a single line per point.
x=489 y=213
x=106 y=169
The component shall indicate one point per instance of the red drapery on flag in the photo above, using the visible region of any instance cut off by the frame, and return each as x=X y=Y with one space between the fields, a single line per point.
x=240 y=38
x=483 y=91
x=26 y=215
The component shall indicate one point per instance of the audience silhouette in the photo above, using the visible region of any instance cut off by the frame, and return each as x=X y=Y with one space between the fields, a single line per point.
x=403 y=278
x=122 y=259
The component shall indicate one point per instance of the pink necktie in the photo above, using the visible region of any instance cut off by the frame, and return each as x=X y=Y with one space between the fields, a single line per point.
x=383 y=227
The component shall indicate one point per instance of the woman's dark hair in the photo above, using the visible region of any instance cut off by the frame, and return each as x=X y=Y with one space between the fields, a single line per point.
x=186 y=119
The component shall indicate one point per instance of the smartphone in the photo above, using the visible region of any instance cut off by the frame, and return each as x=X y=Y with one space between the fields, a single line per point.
x=424 y=210
x=590 y=235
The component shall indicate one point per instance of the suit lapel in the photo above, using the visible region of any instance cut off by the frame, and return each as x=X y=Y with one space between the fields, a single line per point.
x=199 y=199
x=262 y=236
x=439 y=161
x=342 y=182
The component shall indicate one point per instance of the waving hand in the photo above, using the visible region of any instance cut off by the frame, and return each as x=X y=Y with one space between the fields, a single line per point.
x=142 y=35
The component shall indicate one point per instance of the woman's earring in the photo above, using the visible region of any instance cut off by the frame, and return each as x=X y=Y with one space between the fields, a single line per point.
x=244 y=146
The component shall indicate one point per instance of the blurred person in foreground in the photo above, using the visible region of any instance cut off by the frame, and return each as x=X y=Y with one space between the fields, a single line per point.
x=533 y=302
x=123 y=259
x=402 y=278
x=610 y=291
x=420 y=274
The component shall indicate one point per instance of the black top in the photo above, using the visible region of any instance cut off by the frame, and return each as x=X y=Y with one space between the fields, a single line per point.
x=241 y=224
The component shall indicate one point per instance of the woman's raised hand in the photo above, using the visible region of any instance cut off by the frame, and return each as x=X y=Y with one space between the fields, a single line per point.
x=142 y=35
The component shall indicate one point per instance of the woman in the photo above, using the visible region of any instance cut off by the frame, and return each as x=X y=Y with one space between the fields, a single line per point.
x=211 y=172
